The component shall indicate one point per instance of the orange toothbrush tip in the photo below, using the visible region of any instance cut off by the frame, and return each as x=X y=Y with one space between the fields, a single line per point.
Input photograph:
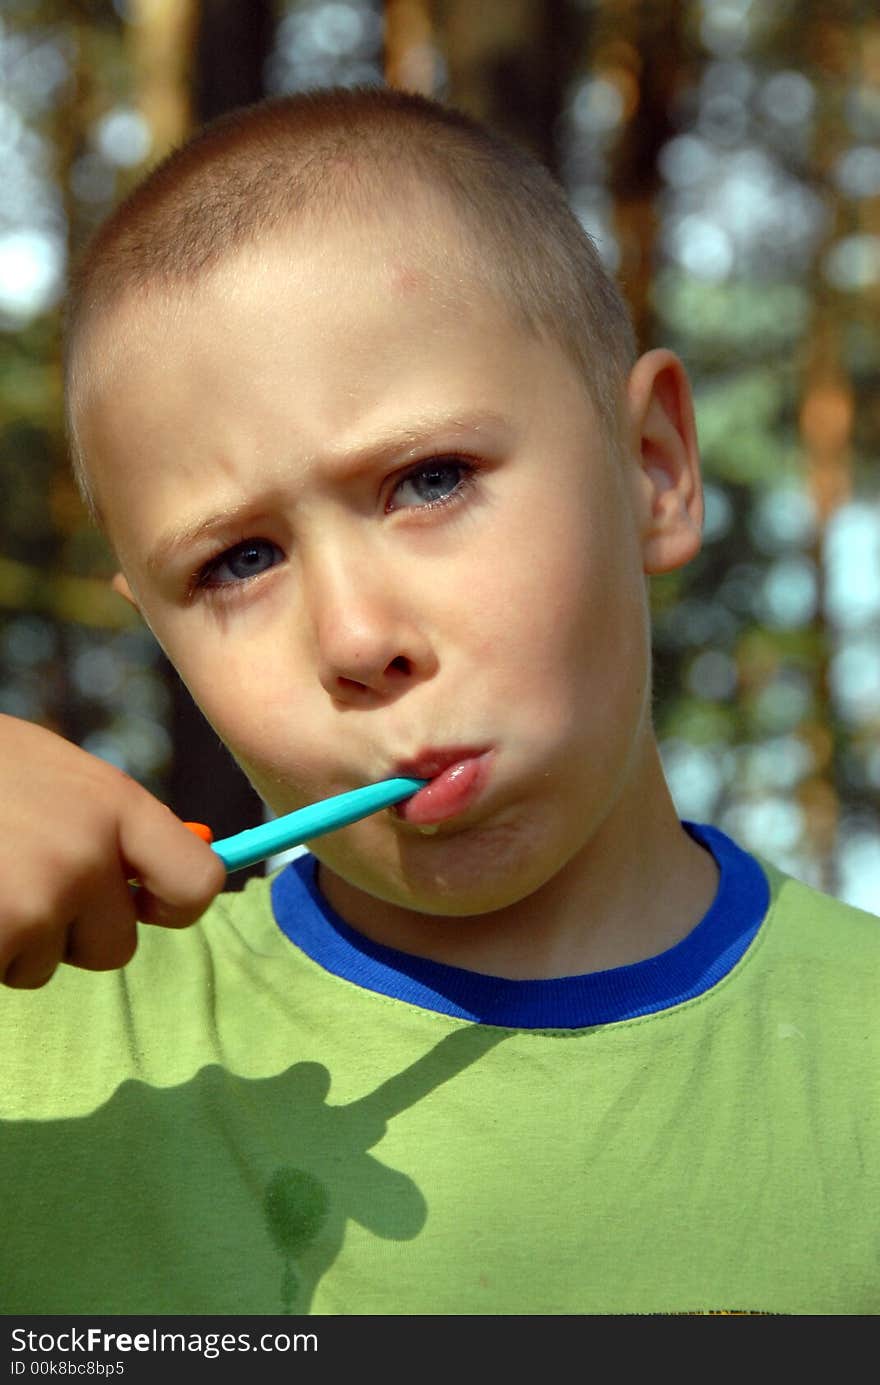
x=200 y=829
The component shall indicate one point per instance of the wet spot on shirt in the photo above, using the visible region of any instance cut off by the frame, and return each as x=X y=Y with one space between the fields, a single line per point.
x=296 y=1205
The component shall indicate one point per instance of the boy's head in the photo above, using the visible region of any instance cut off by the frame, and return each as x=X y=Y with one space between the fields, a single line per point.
x=315 y=159
x=354 y=399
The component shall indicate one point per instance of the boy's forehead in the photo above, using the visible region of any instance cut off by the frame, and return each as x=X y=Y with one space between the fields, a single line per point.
x=412 y=260
x=350 y=335
x=408 y=252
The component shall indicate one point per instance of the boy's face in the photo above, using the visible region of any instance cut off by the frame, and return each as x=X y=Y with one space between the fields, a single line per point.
x=375 y=525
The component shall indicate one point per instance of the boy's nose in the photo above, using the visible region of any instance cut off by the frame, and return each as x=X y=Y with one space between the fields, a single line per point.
x=368 y=636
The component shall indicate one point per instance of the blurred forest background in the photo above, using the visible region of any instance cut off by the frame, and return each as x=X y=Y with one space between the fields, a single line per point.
x=725 y=155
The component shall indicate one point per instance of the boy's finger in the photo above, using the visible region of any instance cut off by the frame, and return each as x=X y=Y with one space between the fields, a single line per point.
x=177 y=873
x=105 y=937
x=35 y=960
x=163 y=913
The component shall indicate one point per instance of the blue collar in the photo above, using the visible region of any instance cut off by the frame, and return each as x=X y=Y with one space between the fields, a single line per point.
x=699 y=961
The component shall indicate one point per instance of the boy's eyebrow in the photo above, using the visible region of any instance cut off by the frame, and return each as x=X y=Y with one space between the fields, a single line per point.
x=414 y=435
x=373 y=451
x=186 y=535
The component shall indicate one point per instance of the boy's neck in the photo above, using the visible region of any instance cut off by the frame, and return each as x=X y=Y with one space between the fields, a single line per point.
x=637 y=888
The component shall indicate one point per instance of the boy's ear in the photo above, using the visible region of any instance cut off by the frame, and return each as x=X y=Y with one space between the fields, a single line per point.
x=663 y=442
x=119 y=583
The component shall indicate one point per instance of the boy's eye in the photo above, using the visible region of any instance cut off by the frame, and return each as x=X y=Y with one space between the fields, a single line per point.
x=432 y=483
x=248 y=559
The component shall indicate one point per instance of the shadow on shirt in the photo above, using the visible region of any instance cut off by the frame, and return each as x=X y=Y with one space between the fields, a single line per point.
x=225 y=1194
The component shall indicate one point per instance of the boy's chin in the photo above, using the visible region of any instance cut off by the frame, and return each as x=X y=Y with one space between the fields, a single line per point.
x=440 y=877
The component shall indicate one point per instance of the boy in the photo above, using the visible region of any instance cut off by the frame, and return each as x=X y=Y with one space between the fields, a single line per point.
x=361 y=417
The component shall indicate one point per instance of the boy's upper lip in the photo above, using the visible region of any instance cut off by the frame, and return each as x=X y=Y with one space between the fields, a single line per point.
x=433 y=761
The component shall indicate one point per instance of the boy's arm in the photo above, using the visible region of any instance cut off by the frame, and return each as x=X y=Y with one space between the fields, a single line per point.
x=73 y=832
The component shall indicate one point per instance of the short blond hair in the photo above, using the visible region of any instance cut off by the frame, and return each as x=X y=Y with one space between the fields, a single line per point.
x=336 y=151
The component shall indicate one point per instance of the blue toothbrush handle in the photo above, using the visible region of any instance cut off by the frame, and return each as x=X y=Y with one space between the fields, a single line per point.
x=246 y=848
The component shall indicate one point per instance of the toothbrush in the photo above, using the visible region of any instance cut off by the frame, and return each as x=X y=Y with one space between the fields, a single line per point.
x=257 y=843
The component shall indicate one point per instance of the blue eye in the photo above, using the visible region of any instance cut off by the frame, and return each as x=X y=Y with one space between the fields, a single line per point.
x=432 y=483
x=248 y=559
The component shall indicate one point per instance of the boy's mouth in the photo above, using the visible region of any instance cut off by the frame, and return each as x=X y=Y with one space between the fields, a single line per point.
x=456 y=776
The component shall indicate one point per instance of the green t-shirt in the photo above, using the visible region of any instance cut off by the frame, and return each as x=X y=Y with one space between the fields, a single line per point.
x=266 y=1113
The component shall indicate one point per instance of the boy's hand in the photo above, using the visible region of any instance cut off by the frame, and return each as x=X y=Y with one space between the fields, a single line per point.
x=73 y=832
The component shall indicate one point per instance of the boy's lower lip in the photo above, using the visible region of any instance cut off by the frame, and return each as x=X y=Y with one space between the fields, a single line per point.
x=449 y=793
